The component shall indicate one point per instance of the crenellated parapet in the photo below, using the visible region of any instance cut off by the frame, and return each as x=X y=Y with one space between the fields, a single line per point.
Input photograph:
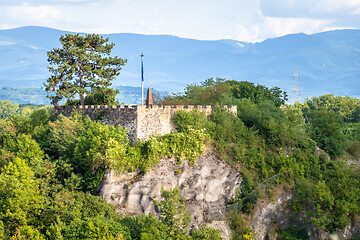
x=142 y=121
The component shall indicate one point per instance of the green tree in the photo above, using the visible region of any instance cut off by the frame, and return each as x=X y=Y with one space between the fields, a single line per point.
x=347 y=107
x=258 y=93
x=98 y=96
x=20 y=200
x=102 y=96
x=81 y=64
x=222 y=91
x=325 y=130
x=7 y=109
x=2 y=234
x=172 y=210
x=63 y=135
x=98 y=147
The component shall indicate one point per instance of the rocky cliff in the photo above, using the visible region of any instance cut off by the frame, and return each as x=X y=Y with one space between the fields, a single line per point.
x=207 y=187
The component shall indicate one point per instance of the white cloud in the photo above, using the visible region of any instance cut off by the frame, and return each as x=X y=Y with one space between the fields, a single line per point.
x=277 y=26
x=247 y=33
x=200 y=19
x=309 y=8
x=356 y=11
x=34 y=15
x=243 y=20
x=342 y=7
x=46 y=2
x=269 y=27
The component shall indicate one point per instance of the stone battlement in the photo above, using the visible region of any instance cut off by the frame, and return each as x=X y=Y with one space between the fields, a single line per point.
x=65 y=108
x=106 y=107
x=142 y=121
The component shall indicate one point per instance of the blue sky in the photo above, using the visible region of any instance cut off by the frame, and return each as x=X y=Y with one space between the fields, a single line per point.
x=243 y=20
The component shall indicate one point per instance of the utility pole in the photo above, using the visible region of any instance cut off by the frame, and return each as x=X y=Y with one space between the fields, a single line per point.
x=142 y=78
x=296 y=89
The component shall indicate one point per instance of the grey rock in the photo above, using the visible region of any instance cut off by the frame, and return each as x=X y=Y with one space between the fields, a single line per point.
x=207 y=186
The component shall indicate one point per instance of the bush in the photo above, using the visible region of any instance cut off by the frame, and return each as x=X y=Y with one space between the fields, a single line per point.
x=185 y=120
x=206 y=233
x=183 y=145
x=354 y=149
x=293 y=233
x=325 y=130
x=98 y=96
x=172 y=210
x=102 y=96
x=240 y=226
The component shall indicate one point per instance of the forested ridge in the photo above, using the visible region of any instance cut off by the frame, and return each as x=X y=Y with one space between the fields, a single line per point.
x=50 y=169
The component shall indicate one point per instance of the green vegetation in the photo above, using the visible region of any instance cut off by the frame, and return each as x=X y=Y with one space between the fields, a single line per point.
x=293 y=233
x=81 y=64
x=7 y=109
x=277 y=145
x=100 y=96
x=50 y=169
x=223 y=92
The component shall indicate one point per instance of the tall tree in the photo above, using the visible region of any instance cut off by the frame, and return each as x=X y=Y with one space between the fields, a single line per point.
x=82 y=64
x=7 y=108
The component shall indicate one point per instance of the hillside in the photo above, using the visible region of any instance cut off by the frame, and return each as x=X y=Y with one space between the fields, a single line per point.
x=328 y=62
x=271 y=171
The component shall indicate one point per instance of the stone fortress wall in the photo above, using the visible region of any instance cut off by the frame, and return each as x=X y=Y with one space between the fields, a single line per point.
x=142 y=121
x=126 y=116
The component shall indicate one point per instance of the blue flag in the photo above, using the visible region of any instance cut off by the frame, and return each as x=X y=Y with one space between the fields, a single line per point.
x=142 y=71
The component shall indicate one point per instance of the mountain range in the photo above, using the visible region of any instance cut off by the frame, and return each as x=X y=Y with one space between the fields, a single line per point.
x=327 y=62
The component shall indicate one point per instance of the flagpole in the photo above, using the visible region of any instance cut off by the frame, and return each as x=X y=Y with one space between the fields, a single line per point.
x=142 y=79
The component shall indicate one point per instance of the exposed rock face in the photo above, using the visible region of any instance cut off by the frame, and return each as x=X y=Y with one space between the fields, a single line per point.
x=207 y=186
x=279 y=212
x=263 y=216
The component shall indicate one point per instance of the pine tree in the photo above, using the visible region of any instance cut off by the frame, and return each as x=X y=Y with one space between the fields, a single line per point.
x=83 y=64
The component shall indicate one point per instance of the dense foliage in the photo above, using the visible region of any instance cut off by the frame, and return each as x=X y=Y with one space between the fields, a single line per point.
x=222 y=91
x=7 y=109
x=98 y=96
x=274 y=145
x=48 y=170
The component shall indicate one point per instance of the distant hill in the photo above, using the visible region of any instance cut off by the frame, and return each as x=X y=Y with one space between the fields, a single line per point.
x=328 y=62
x=36 y=95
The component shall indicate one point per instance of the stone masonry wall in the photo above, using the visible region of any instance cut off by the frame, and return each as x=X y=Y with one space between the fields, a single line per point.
x=157 y=119
x=124 y=115
x=142 y=121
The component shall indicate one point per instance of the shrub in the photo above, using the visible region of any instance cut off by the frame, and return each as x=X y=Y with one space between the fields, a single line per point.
x=354 y=149
x=206 y=233
x=185 y=120
x=325 y=130
x=294 y=233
